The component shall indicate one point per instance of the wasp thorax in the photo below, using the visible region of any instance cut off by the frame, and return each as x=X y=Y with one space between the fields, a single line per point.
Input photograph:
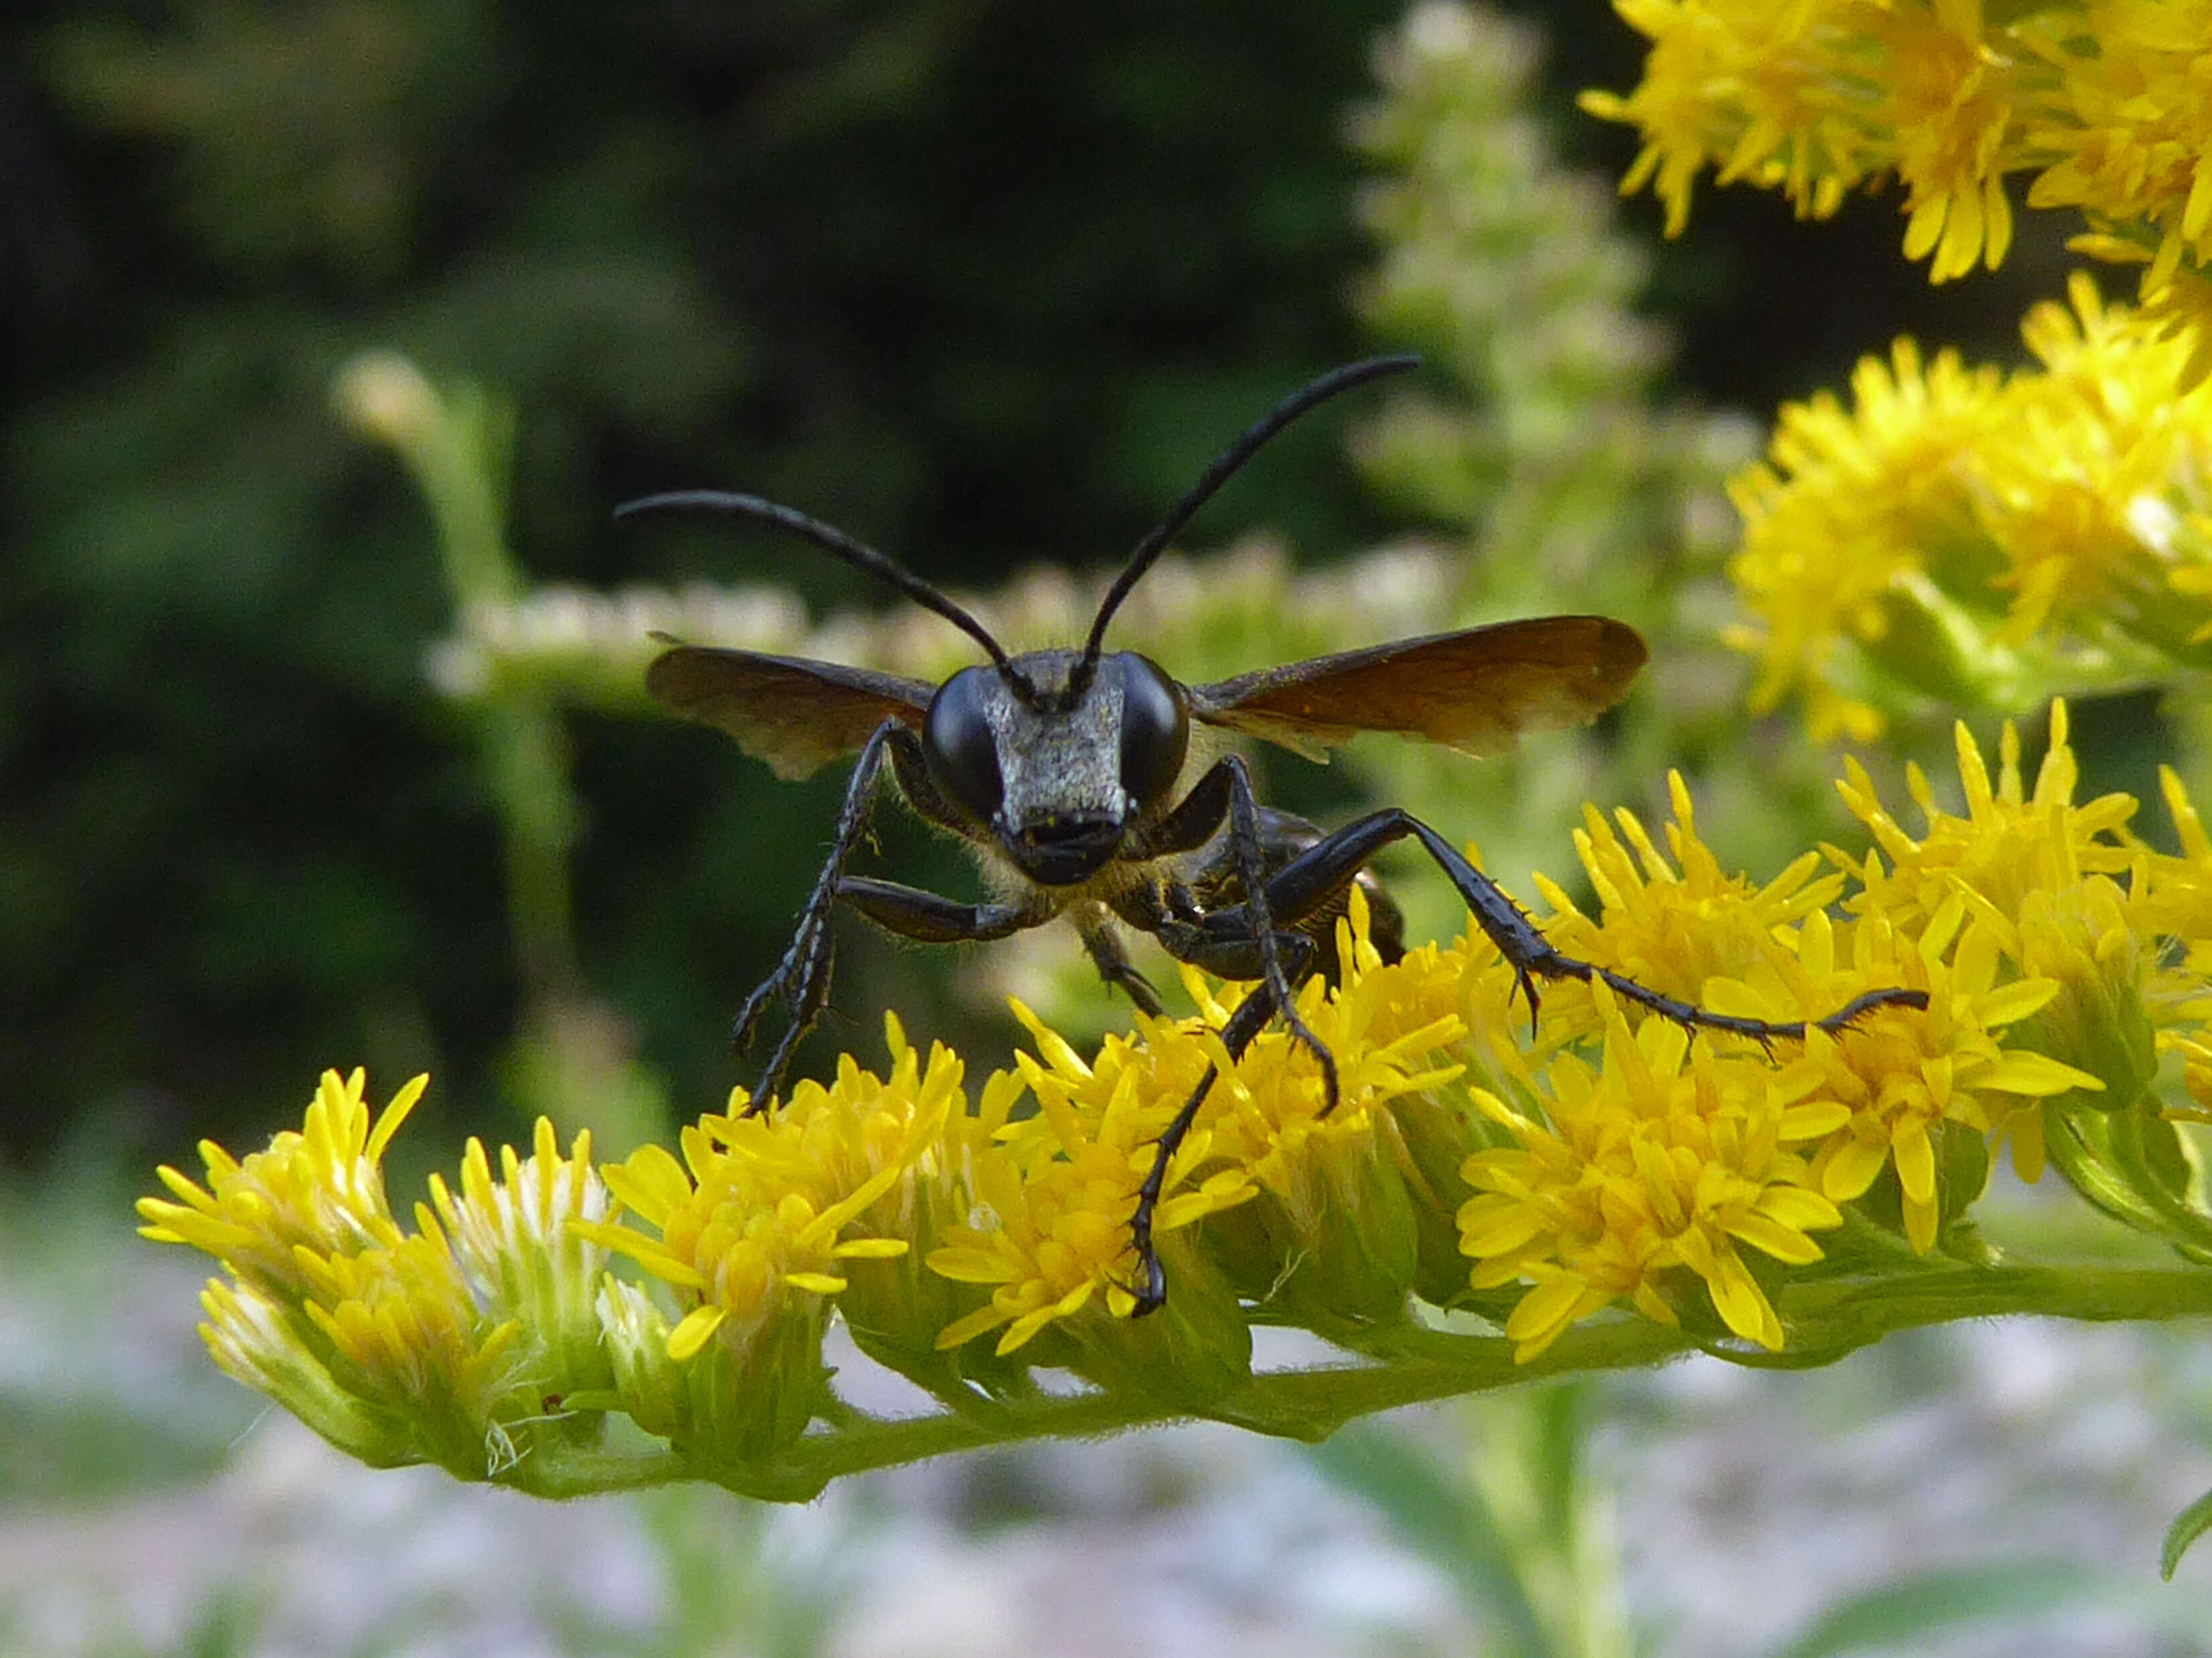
x=1057 y=780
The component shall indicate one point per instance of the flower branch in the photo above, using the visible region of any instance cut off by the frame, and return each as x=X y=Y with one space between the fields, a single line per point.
x=1487 y=1205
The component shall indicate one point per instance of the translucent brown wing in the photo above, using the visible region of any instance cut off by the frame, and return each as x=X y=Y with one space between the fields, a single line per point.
x=1474 y=691
x=794 y=714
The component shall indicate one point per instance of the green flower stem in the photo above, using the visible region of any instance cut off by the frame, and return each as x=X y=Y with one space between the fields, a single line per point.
x=525 y=754
x=459 y=461
x=457 y=456
x=1868 y=1311
x=581 y=1473
x=1408 y=1365
x=456 y=442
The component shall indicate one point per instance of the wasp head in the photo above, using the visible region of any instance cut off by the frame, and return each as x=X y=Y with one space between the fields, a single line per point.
x=1056 y=759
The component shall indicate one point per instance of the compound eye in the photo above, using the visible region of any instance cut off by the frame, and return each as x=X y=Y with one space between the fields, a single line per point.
x=958 y=746
x=1155 y=729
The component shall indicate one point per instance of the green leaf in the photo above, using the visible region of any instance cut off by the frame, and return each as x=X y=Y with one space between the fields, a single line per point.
x=1446 y=1520
x=1904 y=1614
x=2188 y=1525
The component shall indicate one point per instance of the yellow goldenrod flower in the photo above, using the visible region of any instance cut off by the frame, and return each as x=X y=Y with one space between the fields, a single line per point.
x=2179 y=309
x=1645 y=1171
x=320 y=1189
x=2008 y=844
x=1675 y=926
x=261 y=1343
x=1306 y=1208
x=1981 y=539
x=2125 y=133
x=438 y=1344
x=513 y=1240
x=2189 y=877
x=764 y=1208
x=1332 y=1233
x=1814 y=97
x=2195 y=1055
x=2105 y=102
x=1610 y=1162
x=1949 y=103
x=406 y=1336
x=2034 y=873
x=1752 y=88
x=2084 y=938
x=651 y=1388
x=1050 y=1201
x=2100 y=470
x=2170 y=897
x=1880 y=1092
x=1840 y=520
x=756 y=1229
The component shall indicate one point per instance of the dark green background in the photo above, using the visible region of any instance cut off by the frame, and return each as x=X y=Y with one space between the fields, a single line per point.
x=982 y=283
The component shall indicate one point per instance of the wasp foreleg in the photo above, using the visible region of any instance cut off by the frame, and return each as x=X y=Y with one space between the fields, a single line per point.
x=1114 y=965
x=801 y=979
x=931 y=920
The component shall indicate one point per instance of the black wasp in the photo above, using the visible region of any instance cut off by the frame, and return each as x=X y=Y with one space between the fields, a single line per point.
x=1064 y=769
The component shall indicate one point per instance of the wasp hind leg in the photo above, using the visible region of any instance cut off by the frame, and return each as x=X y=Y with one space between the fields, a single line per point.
x=1228 y=942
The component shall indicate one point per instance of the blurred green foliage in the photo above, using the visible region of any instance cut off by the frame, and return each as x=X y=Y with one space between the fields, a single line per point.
x=981 y=282
x=984 y=283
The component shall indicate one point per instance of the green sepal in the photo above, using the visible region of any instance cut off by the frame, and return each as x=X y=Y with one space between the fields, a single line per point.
x=1186 y=1355
x=1335 y=1254
x=2134 y=1166
x=744 y=1407
x=1431 y=1138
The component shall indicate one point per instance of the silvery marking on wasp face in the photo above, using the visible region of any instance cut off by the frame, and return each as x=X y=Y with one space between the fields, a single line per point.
x=1065 y=769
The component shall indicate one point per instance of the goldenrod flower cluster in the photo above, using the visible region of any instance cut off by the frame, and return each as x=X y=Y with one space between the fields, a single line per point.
x=1984 y=538
x=1606 y=1169
x=2104 y=105
x=433 y=1344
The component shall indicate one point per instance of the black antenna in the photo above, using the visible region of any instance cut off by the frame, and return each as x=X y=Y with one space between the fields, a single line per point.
x=1224 y=464
x=836 y=542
